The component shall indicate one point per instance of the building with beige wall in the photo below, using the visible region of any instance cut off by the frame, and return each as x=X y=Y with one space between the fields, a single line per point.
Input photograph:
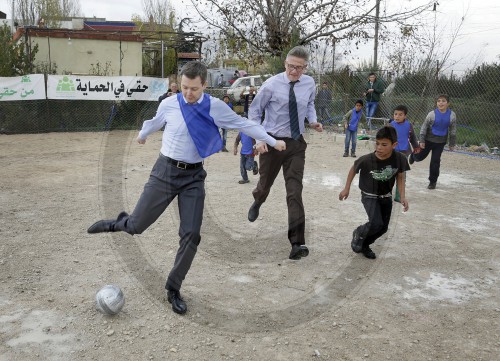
x=85 y=52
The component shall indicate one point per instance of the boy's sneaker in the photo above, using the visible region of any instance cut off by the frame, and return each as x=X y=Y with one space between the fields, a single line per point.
x=357 y=242
x=368 y=253
x=432 y=185
x=243 y=181
x=353 y=155
x=345 y=154
x=410 y=159
x=255 y=168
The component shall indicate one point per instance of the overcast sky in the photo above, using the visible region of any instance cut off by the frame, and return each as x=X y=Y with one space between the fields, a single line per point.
x=479 y=40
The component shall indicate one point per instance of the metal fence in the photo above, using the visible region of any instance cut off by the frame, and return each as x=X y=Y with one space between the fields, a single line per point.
x=473 y=99
x=477 y=115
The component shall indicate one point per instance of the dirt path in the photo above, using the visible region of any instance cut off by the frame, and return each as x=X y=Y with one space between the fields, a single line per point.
x=432 y=293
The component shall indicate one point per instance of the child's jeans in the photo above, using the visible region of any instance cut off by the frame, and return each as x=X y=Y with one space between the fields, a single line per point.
x=247 y=162
x=437 y=150
x=323 y=114
x=224 y=136
x=379 y=215
x=350 y=136
x=371 y=107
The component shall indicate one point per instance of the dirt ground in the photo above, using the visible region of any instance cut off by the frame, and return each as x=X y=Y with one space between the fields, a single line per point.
x=432 y=293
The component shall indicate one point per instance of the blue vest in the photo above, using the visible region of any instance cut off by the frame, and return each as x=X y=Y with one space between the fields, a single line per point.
x=201 y=125
x=403 y=131
x=246 y=144
x=355 y=117
x=441 y=122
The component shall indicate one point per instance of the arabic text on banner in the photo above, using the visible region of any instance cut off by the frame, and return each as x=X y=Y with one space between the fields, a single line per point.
x=27 y=87
x=105 y=87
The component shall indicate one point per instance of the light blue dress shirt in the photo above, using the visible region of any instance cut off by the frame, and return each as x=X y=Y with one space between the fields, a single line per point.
x=178 y=144
x=272 y=98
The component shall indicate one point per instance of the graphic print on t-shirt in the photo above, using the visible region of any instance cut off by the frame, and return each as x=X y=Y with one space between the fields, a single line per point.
x=384 y=174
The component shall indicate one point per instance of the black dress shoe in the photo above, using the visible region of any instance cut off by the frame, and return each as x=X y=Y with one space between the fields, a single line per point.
x=298 y=251
x=102 y=226
x=253 y=212
x=178 y=304
x=105 y=225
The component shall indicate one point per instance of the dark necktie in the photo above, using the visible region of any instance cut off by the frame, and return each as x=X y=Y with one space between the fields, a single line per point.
x=292 y=109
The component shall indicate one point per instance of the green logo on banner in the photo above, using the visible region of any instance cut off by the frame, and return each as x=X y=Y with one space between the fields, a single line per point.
x=25 y=79
x=65 y=85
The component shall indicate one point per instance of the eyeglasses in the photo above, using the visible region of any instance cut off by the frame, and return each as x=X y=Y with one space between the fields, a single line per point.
x=296 y=67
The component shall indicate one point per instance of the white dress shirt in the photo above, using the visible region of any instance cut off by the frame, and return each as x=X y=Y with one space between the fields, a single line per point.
x=272 y=98
x=178 y=144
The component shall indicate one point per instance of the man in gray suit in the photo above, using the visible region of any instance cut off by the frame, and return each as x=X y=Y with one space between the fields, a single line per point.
x=191 y=120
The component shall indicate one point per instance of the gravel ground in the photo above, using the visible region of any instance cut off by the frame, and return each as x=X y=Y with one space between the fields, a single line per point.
x=432 y=293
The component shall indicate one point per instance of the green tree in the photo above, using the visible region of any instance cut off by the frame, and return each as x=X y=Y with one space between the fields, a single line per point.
x=14 y=60
x=483 y=82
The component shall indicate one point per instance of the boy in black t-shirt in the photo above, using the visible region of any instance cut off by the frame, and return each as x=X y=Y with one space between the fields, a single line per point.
x=377 y=173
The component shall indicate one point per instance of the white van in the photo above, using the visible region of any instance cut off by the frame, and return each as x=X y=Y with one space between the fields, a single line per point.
x=240 y=85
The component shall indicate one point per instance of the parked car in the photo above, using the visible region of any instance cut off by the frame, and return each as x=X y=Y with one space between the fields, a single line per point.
x=242 y=83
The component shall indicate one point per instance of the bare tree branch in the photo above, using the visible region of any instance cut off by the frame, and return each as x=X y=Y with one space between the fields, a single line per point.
x=272 y=26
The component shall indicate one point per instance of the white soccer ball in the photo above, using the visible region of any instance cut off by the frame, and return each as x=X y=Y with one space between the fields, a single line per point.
x=109 y=300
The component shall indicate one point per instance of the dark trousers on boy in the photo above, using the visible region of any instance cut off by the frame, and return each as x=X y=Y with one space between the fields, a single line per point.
x=247 y=162
x=437 y=150
x=379 y=211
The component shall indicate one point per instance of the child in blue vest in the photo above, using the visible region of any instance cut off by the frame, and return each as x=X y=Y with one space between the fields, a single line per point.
x=247 y=161
x=439 y=126
x=351 y=121
x=406 y=136
x=224 y=131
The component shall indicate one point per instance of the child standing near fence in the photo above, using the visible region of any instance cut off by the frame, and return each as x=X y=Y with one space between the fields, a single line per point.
x=439 y=125
x=224 y=131
x=377 y=173
x=247 y=160
x=351 y=121
x=406 y=136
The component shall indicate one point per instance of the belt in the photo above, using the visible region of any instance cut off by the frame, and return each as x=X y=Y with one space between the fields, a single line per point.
x=282 y=138
x=371 y=195
x=182 y=165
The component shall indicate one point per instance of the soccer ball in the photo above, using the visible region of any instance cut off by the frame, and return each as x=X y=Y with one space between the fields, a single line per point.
x=109 y=300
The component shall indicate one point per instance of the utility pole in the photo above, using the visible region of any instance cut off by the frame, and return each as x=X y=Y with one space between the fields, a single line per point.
x=13 y=28
x=375 y=47
x=333 y=55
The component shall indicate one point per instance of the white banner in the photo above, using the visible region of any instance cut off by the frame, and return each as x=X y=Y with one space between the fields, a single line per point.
x=105 y=87
x=27 y=87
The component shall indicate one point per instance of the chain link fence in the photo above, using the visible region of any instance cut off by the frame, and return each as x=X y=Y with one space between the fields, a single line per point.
x=473 y=99
x=475 y=103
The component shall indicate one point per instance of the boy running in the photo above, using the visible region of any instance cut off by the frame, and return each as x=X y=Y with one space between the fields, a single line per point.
x=378 y=172
x=439 y=125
